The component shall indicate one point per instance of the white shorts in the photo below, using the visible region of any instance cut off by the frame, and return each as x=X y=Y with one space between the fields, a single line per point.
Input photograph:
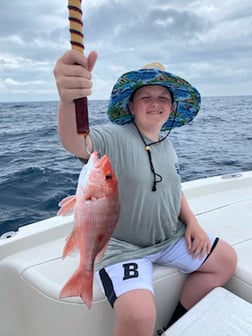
x=135 y=274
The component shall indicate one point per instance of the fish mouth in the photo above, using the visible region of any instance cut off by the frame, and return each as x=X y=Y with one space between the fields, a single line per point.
x=103 y=163
x=105 y=167
x=100 y=162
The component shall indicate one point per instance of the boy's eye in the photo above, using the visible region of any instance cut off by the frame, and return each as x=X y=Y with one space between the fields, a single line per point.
x=164 y=98
x=161 y=99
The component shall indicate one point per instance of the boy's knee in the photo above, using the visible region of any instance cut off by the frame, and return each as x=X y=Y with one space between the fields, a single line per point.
x=226 y=265
x=143 y=317
x=233 y=258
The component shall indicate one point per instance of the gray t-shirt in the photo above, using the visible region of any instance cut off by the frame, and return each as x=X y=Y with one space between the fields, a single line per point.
x=148 y=220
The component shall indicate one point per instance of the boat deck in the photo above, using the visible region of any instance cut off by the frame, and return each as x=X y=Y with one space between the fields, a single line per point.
x=32 y=272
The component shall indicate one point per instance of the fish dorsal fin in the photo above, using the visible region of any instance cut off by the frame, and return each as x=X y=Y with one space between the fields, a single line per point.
x=67 y=206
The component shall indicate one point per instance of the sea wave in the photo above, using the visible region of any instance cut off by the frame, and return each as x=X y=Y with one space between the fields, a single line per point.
x=37 y=172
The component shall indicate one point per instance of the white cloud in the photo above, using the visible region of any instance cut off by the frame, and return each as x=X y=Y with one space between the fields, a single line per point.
x=13 y=83
x=208 y=42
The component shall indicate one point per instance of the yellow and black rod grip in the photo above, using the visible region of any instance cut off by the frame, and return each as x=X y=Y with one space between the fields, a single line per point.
x=77 y=37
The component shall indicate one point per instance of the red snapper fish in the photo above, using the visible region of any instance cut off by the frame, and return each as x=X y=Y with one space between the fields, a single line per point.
x=96 y=208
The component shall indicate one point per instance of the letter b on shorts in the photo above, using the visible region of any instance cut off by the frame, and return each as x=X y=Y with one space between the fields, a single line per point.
x=130 y=271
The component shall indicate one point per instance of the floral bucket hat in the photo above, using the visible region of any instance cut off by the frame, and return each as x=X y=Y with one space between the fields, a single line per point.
x=186 y=97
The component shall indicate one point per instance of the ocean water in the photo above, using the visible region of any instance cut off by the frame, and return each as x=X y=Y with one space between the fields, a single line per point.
x=36 y=172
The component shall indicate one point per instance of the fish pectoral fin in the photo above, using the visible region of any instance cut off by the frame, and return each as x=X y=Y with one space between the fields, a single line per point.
x=70 y=245
x=67 y=206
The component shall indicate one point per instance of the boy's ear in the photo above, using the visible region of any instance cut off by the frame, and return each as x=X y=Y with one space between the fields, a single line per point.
x=131 y=107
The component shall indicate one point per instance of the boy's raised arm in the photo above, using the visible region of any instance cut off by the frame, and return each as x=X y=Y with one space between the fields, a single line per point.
x=74 y=80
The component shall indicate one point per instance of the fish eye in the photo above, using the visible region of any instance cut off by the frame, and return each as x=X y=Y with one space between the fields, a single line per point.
x=108 y=176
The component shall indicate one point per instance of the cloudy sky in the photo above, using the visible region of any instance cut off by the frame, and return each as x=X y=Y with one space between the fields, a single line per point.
x=208 y=42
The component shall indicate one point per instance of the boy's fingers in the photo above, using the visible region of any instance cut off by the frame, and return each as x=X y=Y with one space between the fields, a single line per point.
x=92 y=57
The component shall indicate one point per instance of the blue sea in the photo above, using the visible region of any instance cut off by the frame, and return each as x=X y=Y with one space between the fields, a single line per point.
x=37 y=172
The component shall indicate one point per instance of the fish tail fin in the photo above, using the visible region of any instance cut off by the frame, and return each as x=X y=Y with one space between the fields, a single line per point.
x=80 y=284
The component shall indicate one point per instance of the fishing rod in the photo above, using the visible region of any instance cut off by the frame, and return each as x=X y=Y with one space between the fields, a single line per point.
x=77 y=38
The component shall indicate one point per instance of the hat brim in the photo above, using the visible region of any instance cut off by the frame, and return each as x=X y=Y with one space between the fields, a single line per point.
x=186 y=97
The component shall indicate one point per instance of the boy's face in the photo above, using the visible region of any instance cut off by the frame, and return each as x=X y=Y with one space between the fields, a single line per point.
x=151 y=106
